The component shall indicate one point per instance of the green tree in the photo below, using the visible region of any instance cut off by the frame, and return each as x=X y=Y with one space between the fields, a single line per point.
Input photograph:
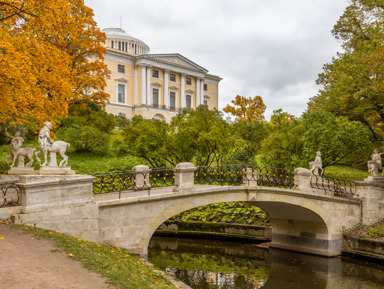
x=353 y=83
x=282 y=148
x=248 y=141
x=337 y=138
x=200 y=136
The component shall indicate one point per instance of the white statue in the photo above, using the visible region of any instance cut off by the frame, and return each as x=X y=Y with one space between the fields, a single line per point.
x=17 y=152
x=316 y=165
x=375 y=164
x=46 y=145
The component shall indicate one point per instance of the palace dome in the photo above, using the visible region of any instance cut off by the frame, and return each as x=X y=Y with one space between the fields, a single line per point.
x=119 y=34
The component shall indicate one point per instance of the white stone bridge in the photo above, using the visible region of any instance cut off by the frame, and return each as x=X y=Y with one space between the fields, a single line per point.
x=303 y=219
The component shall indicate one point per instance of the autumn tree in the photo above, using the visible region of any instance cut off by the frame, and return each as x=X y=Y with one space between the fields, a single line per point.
x=246 y=109
x=353 y=83
x=51 y=55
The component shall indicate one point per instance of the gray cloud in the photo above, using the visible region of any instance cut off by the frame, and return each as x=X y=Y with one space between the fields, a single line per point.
x=260 y=47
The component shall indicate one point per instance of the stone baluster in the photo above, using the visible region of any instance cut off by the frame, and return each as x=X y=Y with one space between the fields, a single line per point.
x=250 y=178
x=185 y=177
x=141 y=177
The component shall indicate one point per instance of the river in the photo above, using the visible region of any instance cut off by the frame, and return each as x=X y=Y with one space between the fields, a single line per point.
x=209 y=264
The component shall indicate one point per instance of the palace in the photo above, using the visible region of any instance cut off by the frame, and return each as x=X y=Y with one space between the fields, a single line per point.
x=154 y=85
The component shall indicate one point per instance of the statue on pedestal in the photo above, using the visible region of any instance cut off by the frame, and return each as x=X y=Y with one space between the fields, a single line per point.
x=19 y=153
x=375 y=164
x=316 y=165
x=47 y=145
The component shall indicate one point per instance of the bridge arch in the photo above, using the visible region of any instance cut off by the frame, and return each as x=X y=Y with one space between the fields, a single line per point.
x=301 y=222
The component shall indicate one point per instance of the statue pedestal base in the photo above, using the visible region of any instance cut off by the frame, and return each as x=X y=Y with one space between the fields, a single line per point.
x=21 y=171
x=374 y=179
x=55 y=171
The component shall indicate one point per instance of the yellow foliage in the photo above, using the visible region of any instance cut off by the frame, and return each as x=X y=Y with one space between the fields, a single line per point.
x=51 y=56
x=247 y=109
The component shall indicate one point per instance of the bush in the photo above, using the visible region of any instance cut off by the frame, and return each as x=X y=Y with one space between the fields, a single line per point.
x=85 y=139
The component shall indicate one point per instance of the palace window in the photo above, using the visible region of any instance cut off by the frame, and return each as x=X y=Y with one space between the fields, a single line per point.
x=205 y=102
x=172 y=77
x=188 y=81
x=188 y=101
x=155 y=97
x=121 y=93
x=112 y=44
x=205 y=86
x=155 y=73
x=120 y=68
x=172 y=100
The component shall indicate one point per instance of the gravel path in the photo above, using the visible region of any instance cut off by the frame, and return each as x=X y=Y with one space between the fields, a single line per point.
x=27 y=262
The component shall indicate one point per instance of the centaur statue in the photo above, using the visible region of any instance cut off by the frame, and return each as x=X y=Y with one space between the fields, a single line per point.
x=375 y=164
x=46 y=144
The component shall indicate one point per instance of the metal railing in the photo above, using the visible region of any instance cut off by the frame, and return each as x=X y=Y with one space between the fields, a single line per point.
x=243 y=174
x=340 y=188
x=9 y=195
x=125 y=181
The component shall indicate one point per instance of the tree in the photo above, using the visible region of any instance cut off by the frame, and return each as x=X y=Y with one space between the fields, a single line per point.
x=337 y=138
x=51 y=55
x=282 y=148
x=249 y=138
x=246 y=109
x=353 y=83
x=200 y=136
x=294 y=142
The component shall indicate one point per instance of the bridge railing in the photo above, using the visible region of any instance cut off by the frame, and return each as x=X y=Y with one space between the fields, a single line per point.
x=123 y=181
x=9 y=195
x=339 y=188
x=244 y=174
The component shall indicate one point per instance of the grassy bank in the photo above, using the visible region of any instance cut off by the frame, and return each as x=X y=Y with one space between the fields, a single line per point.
x=123 y=269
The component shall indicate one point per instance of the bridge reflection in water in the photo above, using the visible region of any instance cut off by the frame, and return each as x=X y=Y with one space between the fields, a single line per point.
x=212 y=265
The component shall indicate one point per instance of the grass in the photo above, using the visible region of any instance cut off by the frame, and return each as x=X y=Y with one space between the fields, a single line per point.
x=122 y=269
x=345 y=172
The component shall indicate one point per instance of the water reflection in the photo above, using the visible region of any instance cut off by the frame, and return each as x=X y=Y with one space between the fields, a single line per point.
x=209 y=264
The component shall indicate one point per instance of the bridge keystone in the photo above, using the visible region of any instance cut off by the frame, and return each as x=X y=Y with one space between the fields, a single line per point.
x=185 y=177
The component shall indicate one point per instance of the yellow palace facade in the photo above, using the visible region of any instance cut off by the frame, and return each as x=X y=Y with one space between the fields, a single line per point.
x=154 y=85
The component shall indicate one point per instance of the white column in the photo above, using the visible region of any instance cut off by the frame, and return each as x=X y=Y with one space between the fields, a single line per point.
x=182 y=92
x=202 y=91
x=143 y=84
x=149 y=101
x=135 y=86
x=198 y=92
x=166 y=93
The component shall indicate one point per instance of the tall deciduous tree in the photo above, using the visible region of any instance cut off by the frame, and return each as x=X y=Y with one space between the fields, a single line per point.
x=353 y=83
x=51 y=55
x=246 y=109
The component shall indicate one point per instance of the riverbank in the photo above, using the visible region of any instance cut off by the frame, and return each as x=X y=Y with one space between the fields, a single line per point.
x=215 y=231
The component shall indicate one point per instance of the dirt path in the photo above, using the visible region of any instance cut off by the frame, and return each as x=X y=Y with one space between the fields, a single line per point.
x=27 y=262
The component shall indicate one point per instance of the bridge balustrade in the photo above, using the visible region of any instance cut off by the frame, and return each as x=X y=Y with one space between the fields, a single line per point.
x=224 y=175
x=339 y=188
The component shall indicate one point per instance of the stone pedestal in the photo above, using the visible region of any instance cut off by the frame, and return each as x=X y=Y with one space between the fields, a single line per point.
x=61 y=203
x=141 y=177
x=185 y=177
x=55 y=170
x=302 y=178
x=371 y=192
x=250 y=178
x=21 y=171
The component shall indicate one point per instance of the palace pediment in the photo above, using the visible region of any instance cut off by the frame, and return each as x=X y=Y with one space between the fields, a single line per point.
x=175 y=59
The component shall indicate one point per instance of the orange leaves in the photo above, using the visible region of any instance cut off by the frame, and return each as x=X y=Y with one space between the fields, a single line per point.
x=50 y=55
x=247 y=109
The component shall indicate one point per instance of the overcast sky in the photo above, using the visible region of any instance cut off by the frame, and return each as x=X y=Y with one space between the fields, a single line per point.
x=274 y=49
